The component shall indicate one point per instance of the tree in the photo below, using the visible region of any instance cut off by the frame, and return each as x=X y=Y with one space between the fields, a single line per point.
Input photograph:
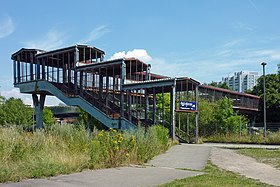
x=163 y=102
x=272 y=82
x=15 y=112
x=219 y=85
x=48 y=118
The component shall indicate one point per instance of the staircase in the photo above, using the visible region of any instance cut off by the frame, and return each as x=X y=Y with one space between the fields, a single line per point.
x=88 y=101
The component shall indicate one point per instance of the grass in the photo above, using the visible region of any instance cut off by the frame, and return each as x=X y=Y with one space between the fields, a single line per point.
x=271 y=138
x=66 y=149
x=214 y=177
x=268 y=156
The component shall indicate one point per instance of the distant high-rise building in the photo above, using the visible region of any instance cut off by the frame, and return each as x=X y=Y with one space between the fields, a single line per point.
x=242 y=81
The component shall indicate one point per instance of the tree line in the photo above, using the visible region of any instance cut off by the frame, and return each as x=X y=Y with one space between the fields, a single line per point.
x=14 y=112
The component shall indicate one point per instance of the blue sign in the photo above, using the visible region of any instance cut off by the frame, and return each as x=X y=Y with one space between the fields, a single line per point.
x=186 y=105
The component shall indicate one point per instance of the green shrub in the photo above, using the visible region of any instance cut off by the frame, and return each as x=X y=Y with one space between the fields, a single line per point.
x=65 y=149
x=112 y=148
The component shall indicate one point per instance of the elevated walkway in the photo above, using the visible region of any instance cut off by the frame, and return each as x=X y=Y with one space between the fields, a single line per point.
x=120 y=93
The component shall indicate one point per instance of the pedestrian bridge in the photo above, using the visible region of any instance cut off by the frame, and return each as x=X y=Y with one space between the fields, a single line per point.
x=120 y=93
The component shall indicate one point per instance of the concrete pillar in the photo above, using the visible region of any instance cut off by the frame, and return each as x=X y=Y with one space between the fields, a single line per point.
x=39 y=105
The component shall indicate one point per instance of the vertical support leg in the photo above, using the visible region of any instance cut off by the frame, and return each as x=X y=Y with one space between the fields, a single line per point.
x=146 y=107
x=75 y=82
x=89 y=124
x=196 y=127
x=172 y=111
x=252 y=123
x=123 y=69
x=162 y=108
x=81 y=83
x=196 y=114
x=18 y=70
x=39 y=105
x=100 y=84
x=188 y=128
x=129 y=105
x=107 y=87
x=154 y=106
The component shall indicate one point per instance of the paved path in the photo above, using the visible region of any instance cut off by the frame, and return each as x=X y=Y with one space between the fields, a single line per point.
x=184 y=156
x=229 y=160
x=160 y=170
x=167 y=167
x=231 y=145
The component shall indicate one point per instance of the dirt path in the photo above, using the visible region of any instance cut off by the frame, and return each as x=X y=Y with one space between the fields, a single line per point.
x=229 y=160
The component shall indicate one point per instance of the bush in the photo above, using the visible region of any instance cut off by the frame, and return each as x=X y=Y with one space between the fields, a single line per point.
x=65 y=149
x=112 y=148
x=42 y=153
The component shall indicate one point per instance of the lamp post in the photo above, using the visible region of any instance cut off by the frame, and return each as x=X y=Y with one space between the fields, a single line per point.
x=264 y=104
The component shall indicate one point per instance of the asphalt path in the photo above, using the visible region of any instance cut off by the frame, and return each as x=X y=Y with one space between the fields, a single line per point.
x=162 y=169
x=180 y=161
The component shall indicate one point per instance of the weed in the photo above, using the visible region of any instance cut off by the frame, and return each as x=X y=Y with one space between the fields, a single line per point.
x=66 y=149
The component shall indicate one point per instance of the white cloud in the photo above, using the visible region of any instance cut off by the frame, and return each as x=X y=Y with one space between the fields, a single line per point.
x=140 y=54
x=253 y=5
x=95 y=34
x=53 y=39
x=232 y=43
x=244 y=27
x=6 y=27
x=269 y=54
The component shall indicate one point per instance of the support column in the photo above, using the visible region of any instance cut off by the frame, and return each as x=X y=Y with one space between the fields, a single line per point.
x=39 y=105
x=154 y=106
x=43 y=69
x=18 y=70
x=89 y=124
x=76 y=60
x=100 y=85
x=129 y=106
x=15 y=70
x=148 y=71
x=107 y=87
x=31 y=66
x=146 y=107
x=81 y=83
x=188 y=128
x=38 y=69
x=122 y=92
x=196 y=114
x=172 y=110
x=75 y=81
x=252 y=123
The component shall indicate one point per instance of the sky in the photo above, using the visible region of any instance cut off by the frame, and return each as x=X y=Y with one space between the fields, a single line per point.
x=202 y=39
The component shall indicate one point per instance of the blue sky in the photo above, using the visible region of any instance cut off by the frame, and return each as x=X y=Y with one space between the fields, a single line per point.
x=202 y=39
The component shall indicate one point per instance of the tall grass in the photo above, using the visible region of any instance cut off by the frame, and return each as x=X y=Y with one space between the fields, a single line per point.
x=271 y=138
x=66 y=149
